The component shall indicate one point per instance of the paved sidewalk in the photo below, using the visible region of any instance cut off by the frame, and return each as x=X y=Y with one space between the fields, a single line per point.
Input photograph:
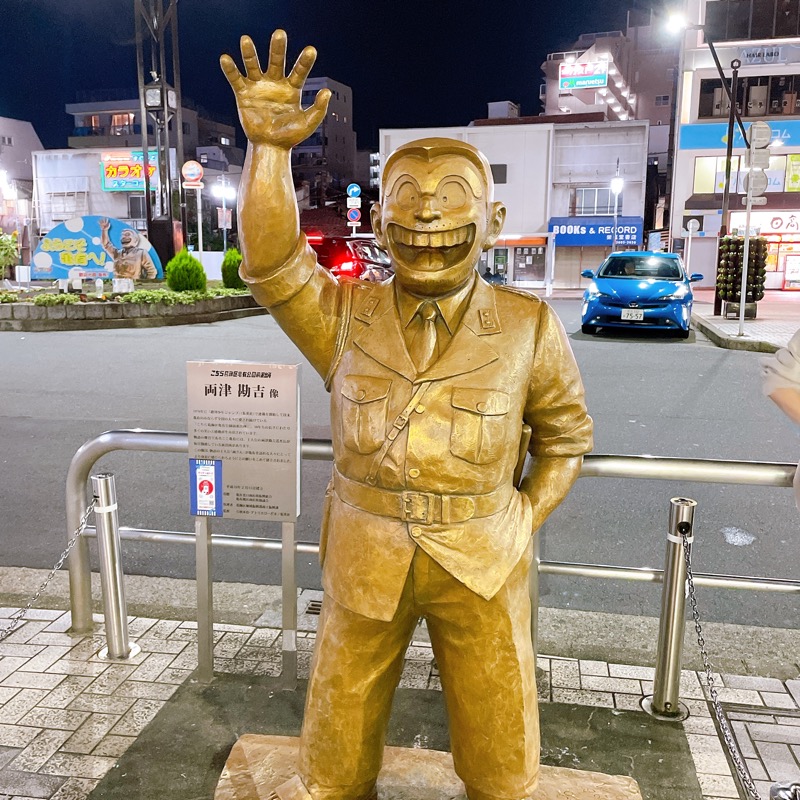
x=777 y=319
x=67 y=717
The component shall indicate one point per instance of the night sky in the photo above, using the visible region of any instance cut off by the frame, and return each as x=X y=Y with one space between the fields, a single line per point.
x=410 y=63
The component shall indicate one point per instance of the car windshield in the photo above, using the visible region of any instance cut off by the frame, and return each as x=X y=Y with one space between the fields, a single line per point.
x=368 y=251
x=641 y=267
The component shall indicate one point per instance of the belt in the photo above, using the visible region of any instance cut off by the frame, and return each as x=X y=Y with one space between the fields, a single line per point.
x=426 y=507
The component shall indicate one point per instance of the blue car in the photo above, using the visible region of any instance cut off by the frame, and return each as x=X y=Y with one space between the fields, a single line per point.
x=639 y=290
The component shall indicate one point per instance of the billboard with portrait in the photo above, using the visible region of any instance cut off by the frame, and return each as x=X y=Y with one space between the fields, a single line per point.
x=95 y=247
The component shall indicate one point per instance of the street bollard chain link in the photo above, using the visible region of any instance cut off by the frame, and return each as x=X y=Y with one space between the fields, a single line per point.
x=17 y=616
x=722 y=718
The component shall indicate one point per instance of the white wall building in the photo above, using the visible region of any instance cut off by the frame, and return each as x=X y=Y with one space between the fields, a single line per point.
x=555 y=181
x=17 y=141
x=765 y=36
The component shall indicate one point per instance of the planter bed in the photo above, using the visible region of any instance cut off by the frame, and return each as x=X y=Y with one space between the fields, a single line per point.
x=25 y=316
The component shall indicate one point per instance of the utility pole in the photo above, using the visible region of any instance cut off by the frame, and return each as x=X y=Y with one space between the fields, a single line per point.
x=160 y=103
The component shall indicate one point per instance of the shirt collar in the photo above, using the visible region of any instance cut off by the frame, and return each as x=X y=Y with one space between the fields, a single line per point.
x=451 y=307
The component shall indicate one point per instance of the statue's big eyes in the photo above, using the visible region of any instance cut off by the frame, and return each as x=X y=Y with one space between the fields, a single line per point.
x=451 y=195
x=408 y=196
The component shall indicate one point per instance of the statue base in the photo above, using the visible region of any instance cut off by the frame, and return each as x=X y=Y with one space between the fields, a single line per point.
x=258 y=764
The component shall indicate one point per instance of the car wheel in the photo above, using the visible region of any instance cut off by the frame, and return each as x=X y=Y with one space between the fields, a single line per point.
x=684 y=334
x=590 y=329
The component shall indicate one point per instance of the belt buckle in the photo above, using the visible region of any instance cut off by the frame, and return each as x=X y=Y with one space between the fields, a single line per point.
x=418 y=507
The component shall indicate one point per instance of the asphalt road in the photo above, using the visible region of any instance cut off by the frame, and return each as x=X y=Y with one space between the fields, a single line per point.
x=655 y=396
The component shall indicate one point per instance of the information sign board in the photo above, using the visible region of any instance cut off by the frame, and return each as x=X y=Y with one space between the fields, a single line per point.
x=353 y=215
x=244 y=440
x=585 y=75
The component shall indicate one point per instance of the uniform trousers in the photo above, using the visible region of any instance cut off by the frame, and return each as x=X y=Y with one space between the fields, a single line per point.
x=485 y=657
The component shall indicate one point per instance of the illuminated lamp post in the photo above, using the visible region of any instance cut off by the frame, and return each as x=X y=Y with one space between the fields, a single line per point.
x=617 y=184
x=223 y=189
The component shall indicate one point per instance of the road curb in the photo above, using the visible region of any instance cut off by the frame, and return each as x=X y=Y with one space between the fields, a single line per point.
x=722 y=339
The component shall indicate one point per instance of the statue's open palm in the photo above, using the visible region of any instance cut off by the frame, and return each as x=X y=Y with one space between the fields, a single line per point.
x=269 y=102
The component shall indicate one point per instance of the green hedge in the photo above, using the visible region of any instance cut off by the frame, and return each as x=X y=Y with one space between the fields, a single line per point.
x=185 y=273
x=230 y=270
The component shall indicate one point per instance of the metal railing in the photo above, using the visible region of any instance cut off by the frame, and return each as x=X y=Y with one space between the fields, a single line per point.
x=594 y=466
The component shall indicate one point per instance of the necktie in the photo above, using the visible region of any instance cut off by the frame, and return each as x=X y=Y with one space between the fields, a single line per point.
x=423 y=348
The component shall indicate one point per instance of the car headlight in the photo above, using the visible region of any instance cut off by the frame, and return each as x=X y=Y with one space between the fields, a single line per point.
x=592 y=292
x=679 y=293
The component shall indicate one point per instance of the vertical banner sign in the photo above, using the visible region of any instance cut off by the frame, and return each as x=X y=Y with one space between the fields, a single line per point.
x=244 y=440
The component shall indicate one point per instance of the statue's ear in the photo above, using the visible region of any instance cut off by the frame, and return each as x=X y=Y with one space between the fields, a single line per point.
x=375 y=214
x=497 y=218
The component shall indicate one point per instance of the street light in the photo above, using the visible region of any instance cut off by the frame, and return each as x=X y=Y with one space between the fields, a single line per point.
x=222 y=188
x=617 y=183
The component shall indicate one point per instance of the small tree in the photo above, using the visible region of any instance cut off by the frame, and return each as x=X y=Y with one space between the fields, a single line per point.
x=230 y=270
x=8 y=252
x=185 y=273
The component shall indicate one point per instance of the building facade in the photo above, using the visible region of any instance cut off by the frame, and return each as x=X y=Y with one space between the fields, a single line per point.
x=18 y=140
x=327 y=159
x=555 y=179
x=621 y=75
x=764 y=35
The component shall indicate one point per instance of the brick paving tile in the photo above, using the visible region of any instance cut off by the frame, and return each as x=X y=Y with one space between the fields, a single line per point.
x=628 y=702
x=88 y=647
x=186 y=660
x=9 y=664
x=163 y=628
x=59 y=718
x=756 y=768
x=56 y=639
x=26 y=631
x=42 y=613
x=700 y=725
x=172 y=675
x=718 y=786
x=66 y=691
x=137 y=717
x=30 y=784
x=778 y=761
x=69 y=666
x=753 y=682
x=67 y=764
x=583 y=697
x=788 y=721
x=113 y=746
x=61 y=624
x=230 y=644
x=90 y=734
x=102 y=703
x=139 y=626
x=624 y=671
x=17 y=735
x=263 y=637
x=182 y=635
x=794 y=690
x=49 y=655
x=743 y=739
x=153 y=645
x=152 y=667
x=32 y=680
x=622 y=685
x=43 y=747
x=787 y=734
x=17 y=707
x=8 y=754
x=776 y=700
x=565 y=674
x=111 y=678
x=147 y=690
x=6 y=693
x=599 y=668
x=75 y=789
x=24 y=650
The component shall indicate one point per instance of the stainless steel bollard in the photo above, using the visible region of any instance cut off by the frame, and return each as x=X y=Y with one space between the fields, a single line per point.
x=115 y=611
x=665 y=700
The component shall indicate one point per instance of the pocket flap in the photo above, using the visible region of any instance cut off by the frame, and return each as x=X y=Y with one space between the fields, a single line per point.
x=365 y=389
x=481 y=401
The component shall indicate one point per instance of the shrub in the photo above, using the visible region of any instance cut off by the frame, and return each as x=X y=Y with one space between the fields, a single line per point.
x=230 y=270
x=8 y=252
x=55 y=299
x=185 y=273
x=8 y=297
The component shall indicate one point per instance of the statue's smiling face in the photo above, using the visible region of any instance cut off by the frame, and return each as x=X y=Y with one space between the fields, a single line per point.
x=434 y=221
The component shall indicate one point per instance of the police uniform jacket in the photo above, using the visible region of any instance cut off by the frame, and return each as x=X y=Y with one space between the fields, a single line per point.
x=426 y=460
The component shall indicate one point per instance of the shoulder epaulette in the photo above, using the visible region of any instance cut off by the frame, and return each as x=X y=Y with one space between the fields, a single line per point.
x=519 y=292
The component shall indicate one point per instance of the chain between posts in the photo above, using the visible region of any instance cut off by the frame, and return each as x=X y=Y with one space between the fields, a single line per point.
x=722 y=718
x=17 y=616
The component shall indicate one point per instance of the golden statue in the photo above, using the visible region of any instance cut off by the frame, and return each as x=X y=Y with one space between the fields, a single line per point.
x=432 y=375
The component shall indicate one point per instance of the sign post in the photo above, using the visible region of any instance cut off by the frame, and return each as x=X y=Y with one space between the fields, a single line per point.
x=192 y=172
x=353 y=206
x=756 y=179
x=244 y=463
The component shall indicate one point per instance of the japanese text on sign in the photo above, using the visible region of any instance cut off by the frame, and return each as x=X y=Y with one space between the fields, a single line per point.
x=246 y=416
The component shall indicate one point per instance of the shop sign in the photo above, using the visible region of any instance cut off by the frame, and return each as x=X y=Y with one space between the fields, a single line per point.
x=585 y=75
x=123 y=170
x=793 y=172
x=94 y=247
x=596 y=231
x=775 y=180
x=780 y=222
x=714 y=135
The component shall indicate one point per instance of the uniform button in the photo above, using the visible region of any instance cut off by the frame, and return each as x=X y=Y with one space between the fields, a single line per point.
x=481 y=407
x=413 y=473
x=420 y=408
x=416 y=531
x=361 y=394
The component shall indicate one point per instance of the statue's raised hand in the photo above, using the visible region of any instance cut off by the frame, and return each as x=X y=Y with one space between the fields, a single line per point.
x=269 y=102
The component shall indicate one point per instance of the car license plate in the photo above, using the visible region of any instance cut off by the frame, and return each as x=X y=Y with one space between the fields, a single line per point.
x=632 y=314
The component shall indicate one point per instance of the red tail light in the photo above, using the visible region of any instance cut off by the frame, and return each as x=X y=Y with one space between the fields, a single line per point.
x=346 y=267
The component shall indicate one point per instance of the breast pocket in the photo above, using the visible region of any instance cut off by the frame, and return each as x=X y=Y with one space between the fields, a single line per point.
x=365 y=406
x=478 y=430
